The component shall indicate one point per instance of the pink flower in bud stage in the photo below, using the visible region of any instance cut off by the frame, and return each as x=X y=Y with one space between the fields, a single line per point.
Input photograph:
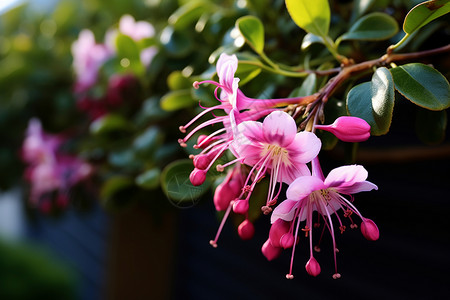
x=308 y=194
x=348 y=129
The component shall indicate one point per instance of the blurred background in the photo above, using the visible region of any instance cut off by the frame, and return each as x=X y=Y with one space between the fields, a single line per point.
x=92 y=93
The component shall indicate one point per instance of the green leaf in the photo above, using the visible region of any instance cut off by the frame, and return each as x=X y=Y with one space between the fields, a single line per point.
x=177 y=186
x=310 y=39
x=177 y=81
x=423 y=13
x=187 y=14
x=311 y=16
x=150 y=179
x=308 y=87
x=374 y=101
x=252 y=30
x=109 y=123
x=431 y=125
x=422 y=85
x=147 y=142
x=372 y=27
x=176 y=43
x=177 y=100
x=246 y=72
x=360 y=7
x=127 y=47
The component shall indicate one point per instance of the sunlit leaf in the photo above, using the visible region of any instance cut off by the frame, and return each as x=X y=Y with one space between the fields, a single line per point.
x=176 y=100
x=423 y=13
x=252 y=30
x=374 y=101
x=372 y=27
x=422 y=85
x=311 y=16
x=188 y=14
x=246 y=72
x=310 y=39
x=109 y=123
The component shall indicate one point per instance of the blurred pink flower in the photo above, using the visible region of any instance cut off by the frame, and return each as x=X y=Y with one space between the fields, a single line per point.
x=88 y=57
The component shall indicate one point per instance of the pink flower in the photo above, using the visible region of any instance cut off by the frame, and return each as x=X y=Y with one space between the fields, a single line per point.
x=88 y=57
x=135 y=30
x=348 y=129
x=48 y=170
x=308 y=194
x=274 y=147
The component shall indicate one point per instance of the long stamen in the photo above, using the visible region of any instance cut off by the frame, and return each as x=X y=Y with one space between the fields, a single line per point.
x=207 y=110
x=222 y=223
x=203 y=125
x=297 y=218
x=336 y=275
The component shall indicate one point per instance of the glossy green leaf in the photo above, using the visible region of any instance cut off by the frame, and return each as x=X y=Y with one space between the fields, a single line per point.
x=176 y=184
x=311 y=16
x=176 y=43
x=177 y=81
x=147 y=142
x=310 y=39
x=177 y=100
x=431 y=125
x=372 y=27
x=188 y=14
x=423 y=13
x=308 y=87
x=109 y=123
x=374 y=101
x=360 y=7
x=422 y=85
x=252 y=30
x=127 y=47
x=150 y=179
x=246 y=72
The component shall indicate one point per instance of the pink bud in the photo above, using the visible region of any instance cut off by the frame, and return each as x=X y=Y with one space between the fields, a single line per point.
x=370 y=230
x=270 y=251
x=348 y=129
x=246 y=230
x=205 y=140
x=201 y=161
x=287 y=240
x=312 y=267
x=240 y=207
x=277 y=231
x=222 y=196
x=197 y=177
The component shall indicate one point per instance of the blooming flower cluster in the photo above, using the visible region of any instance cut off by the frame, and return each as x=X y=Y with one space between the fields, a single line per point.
x=276 y=148
x=90 y=56
x=50 y=172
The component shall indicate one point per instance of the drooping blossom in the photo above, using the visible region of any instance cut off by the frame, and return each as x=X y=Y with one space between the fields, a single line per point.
x=238 y=108
x=88 y=57
x=325 y=196
x=50 y=171
x=348 y=129
x=275 y=147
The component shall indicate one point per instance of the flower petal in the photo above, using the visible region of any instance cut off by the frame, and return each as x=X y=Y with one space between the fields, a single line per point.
x=364 y=186
x=226 y=68
x=279 y=128
x=346 y=176
x=304 y=148
x=285 y=211
x=303 y=187
x=290 y=173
